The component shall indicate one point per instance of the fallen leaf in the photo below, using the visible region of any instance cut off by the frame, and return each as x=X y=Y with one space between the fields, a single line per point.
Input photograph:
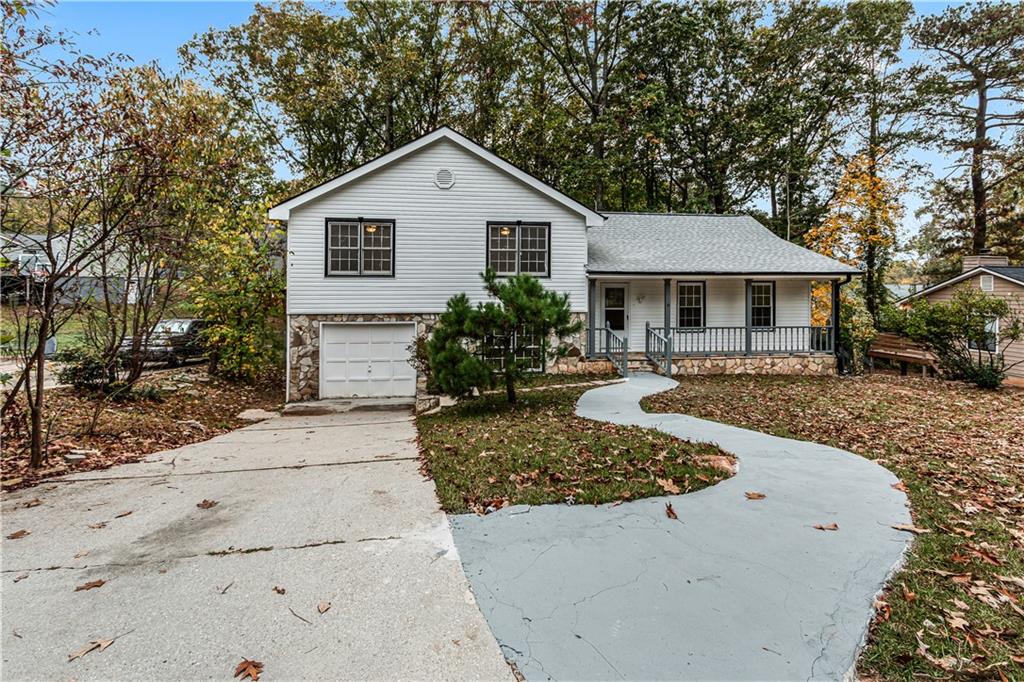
x=911 y=528
x=122 y=515
x=957 y=623
x=101 y=524
x=670 y=512
x=18 y=534
x=900 y=486
x=81 y=553
x=32 y=503
x=250 y=669
x=829 y=526
x=207 y=504
x=90 y=585
x=884 y=611
x=323 y=606
x=94 y=645
x=668 y=485
x=21 y=577
x=279 y=590
x=960 y=604
x=907 y=594
x=754 y=496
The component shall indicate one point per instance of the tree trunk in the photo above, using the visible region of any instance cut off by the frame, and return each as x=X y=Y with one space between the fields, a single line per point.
x=871 y=274
x=36 y=402
x=978 y=189
x=510 y=388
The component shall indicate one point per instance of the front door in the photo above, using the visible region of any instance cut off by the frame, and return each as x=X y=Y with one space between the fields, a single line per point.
x=615 y=309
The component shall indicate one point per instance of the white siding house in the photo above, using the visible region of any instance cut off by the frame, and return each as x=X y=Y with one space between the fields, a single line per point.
x=375 y=254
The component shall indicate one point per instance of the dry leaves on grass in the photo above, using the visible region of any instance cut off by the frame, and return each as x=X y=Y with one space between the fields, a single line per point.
x=667 y=485
x=128 y=431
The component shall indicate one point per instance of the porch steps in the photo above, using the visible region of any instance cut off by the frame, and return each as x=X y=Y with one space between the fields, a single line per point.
x=638 y=362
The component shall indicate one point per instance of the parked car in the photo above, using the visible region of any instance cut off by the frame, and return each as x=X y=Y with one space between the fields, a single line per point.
x=172 y=341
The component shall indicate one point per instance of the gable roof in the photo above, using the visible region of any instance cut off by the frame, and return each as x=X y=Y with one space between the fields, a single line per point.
x=1010 y=273
x=672 y=243
x=282 y=210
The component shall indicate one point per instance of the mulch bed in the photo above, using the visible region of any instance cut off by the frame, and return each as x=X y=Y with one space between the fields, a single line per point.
x=188 y=406
x=956 y=609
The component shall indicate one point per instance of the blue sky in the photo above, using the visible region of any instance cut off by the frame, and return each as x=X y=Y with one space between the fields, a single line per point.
x=153 y=31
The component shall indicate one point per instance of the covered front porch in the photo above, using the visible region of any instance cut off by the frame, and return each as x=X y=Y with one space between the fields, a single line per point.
x=685 y=323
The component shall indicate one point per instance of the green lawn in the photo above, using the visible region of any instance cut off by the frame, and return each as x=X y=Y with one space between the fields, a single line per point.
x=956 y=609
x=482 y=453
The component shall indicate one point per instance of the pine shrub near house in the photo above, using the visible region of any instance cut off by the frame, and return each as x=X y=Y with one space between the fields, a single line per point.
x=474 y=346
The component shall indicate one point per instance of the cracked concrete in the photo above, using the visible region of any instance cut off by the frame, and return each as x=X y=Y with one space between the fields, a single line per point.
x=332 y=508
x=736 y=589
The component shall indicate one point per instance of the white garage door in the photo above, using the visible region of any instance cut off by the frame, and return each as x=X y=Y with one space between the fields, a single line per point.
x=366 y=360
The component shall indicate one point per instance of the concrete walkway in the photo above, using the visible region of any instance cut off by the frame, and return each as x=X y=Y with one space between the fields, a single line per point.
x=330 y=508
x=735 y=589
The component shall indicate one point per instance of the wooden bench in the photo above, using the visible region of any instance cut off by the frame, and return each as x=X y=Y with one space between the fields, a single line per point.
x=900 y=349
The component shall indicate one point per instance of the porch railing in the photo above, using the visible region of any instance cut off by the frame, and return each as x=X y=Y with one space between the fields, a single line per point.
x=616 y=350
x=751 y=341
x=658 y=348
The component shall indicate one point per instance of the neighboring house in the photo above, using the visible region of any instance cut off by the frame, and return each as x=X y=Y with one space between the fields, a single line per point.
x=900 y=291
x=375 y=254
x=993 y=275
x=25 y=263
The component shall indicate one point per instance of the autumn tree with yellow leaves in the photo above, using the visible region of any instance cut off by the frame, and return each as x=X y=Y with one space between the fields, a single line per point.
x=860 y=228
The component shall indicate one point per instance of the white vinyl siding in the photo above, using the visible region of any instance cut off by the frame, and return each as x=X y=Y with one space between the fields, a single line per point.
x=440 y=236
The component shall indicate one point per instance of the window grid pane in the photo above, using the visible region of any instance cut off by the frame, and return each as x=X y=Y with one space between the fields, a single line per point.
x=377 y=248
x=533 y=249
x=343 y=247
x=502 y=249
x=691 y=305
x=761 y=304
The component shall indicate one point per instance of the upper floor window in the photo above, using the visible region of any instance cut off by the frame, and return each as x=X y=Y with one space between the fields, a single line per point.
x=519 y=247
x=357 y=246
x=691 y=304
x=762 y=304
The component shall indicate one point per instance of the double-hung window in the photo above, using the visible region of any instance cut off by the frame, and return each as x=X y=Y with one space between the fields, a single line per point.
x=691 y=304
x=358 y=246
x=518 y=247
x=762 y=304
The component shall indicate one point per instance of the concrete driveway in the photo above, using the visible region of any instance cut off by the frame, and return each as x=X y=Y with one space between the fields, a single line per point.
x=735 y=589
x=325 y=509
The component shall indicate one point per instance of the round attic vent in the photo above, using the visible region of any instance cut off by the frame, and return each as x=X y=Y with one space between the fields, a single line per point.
x=444 y=178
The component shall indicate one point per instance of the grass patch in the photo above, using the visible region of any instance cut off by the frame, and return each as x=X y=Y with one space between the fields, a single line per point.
x=483 y=453
x=956 y=610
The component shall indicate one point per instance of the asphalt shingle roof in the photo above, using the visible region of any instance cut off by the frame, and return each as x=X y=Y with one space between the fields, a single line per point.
x=708 y=244
x=1013 y=272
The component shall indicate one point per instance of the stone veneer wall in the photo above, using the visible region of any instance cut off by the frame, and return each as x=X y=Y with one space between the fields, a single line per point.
x=304 y=346
x=807 y=364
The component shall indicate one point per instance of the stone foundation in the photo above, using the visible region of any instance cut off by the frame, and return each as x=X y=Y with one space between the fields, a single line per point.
x=806 y=365
x=304 y=347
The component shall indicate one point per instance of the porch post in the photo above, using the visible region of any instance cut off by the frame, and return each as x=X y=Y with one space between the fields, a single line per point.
x=591 y=315
x=668 y=327
x=835 y=325
x=668 y=305
x=749 y=302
